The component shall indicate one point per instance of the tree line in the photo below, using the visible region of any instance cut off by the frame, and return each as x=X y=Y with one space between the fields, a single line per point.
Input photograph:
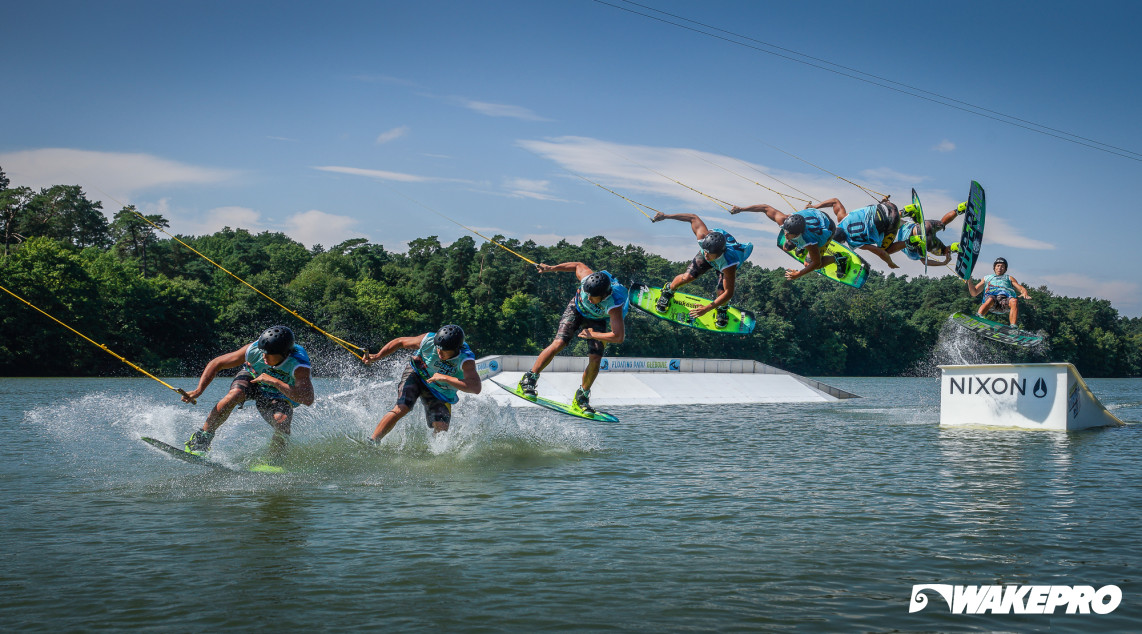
x=153 y=301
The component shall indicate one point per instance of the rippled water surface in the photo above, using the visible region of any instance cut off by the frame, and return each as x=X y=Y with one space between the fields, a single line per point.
x=814 y=517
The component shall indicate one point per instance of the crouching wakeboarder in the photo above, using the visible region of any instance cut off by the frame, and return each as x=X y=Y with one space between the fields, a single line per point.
x=719 y=251
x=600 y=300
x=276 y=376
x=442 y=366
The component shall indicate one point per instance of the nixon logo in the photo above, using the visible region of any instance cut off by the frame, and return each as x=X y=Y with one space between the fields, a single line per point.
x=1040 y=389
x=987 y=385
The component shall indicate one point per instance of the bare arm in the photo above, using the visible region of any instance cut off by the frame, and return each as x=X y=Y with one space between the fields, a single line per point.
x=217 y=364
x=759 y=208
x=838 y=209
x=880 y=253
x=578 y=268
x=470 y=383
x=696 y=224
x=618 y=329
x=975 y=288
x=812 y=262
x=400 y=343
x=301 y=391
x=1019 y=287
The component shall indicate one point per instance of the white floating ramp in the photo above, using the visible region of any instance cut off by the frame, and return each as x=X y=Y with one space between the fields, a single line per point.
x=651 y=381
x=1025 y=395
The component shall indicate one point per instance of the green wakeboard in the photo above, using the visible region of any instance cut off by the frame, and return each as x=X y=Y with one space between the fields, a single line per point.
x=916 y=212
x=193 y=458
x=996 y=331
x=855 y=274
x=562 y=408
x=971 y=240
x=741 y=322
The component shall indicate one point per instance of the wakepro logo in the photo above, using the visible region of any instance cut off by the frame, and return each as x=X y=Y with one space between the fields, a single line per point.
x=1019 y=599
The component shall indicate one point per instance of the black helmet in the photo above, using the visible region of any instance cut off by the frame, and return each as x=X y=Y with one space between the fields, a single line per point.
x=714 y=242
x=887 y=216
x=597 y=285
x=999 y=261
x=794 y=225
x=449 y=337
x=276 y=340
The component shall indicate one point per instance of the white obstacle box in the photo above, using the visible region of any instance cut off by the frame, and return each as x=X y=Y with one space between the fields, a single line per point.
x=654 y=381
x=1026 y=395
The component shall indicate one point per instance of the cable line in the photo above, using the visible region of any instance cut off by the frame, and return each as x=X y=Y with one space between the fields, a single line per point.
x=784 y=197
x=101 y=346
x=351 y=347
x=967 y=107
x=413 y=200
x=725 y=205
x=866 y=190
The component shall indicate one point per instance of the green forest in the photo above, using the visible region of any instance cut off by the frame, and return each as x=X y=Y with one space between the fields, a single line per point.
x=148 y=298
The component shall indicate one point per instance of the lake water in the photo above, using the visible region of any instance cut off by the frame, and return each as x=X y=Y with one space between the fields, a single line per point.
x=816 y=517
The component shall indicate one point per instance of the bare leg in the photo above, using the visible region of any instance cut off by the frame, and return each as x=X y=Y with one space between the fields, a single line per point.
x=389 y=421
x=986 y=306
x=1013 y=316
x=547 y=355
x=681 y=280
x=221 y=411
x=281 y=424
x=592 y=371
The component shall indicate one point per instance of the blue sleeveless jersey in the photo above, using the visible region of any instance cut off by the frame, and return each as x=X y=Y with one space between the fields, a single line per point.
x=618 y=297
x=736 y=252
x=818 y=229
x=999 y=285
x=859 y=228
x=256 y=364
x=902 y=235
x=430 y=363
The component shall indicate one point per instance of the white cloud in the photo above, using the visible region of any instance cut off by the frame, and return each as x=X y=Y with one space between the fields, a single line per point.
x=945 y=146
x=281 y=138
x=999 y=231
x=110 y=177
x=501 y=110
x=392 y=135
x=530 y=188
x=386 y=175
x=640 y=172
x=317 y=227
x=213 y=220
x=1119 y=292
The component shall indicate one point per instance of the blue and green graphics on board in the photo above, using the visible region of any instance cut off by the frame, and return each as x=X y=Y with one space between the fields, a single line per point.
x=563 y=408
x=971 y=240
x=856 y=269
x=738 y=322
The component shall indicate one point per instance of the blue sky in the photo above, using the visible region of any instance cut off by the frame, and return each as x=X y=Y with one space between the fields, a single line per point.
x=322 y=120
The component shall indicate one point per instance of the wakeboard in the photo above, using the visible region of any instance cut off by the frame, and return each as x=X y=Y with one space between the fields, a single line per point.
x=562 y=408
x=192 y=458
x=971 y=240
x=916 y=211
x=855 y=273
x=996 y=331
x=741 y=322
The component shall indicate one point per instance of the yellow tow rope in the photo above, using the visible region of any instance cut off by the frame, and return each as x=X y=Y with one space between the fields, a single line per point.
x=101 y=346
x=866 y=190
x=339 y=341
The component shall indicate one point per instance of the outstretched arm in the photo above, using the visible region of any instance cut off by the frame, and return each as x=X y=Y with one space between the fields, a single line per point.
x=578 y=268
x=696 y=224
x=975 y=288
x=400 y=343
x=882 y=254
x=838 y=209
x=217 y=364
x=1019 y=287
